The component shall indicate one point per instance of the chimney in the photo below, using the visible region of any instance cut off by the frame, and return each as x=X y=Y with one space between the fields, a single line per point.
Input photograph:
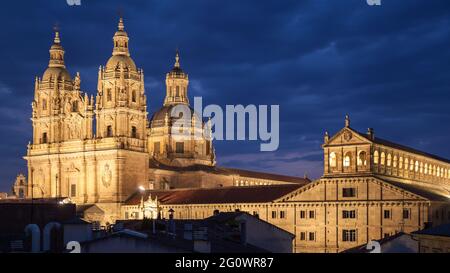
x=371 y=134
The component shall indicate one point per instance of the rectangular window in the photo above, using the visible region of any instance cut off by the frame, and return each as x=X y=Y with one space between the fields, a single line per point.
x=349 y=192
x=44 y=138
x=406 y=214
x=312 y=214
x=282 y=214
x=349 y=214
x=180 y=147
x=302 y=236
x=312 y=236
x=349 y=235
x=157 y=148
x=387 y=214
x=303 y=214
x=73 y=190
x=274 y=214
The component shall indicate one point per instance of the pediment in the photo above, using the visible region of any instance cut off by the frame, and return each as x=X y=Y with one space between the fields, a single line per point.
x=347 y=136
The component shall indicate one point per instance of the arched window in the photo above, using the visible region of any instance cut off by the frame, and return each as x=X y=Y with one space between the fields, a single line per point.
x=347 y=159
x=400 y=163
x=395 y=161
x=389 y=160
x=438 y=172
x=133 y=96
x=426 y=168
x=430 y=169
x=416 y=169
x=333 y=160
x=411 y=165
x=421 y=167
x=44 y=104
x=362 y=158
x=109 y=131
x=406 y=164
x=133 y=132
x=383 y=158
x=434 y=169
x=375 y=157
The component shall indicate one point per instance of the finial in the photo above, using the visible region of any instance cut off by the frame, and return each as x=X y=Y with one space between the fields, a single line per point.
x=121 y=25
x=177 y=59
x=327 y=137
x=347 y=121
x=57 y=40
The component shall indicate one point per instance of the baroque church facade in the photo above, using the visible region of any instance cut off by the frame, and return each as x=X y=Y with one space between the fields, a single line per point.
x=126 y=151
x=370 y=189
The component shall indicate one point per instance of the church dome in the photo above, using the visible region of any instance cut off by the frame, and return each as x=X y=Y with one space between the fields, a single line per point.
x=158 y=119
x=56 y=72
x=115 y=61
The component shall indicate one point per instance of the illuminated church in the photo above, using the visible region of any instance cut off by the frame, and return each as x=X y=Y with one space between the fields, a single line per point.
x=371 y=188
x=67 y=158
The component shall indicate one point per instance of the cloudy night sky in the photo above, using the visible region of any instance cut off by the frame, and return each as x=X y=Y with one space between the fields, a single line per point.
x=388 y=67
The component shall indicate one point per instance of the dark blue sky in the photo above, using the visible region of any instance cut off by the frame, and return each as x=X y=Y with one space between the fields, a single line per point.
x=388 y=67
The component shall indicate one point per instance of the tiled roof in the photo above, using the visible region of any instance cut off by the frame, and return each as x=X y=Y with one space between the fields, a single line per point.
x=426 y=193
x=391 y=144
x=231 y=171
x=260 y=194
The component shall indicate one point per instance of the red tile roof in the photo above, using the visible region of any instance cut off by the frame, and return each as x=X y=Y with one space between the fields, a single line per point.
x=261 y=194
x=230 y=171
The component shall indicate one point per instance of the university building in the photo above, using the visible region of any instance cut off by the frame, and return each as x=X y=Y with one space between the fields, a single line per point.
x=371 y=188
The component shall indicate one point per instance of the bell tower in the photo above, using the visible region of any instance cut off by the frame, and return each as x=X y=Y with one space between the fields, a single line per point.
x=176 y=85
x=121 y=104
x=61 y=112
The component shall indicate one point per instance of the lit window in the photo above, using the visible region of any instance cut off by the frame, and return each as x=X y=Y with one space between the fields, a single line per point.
x=426 y=168
x=333 y=161
x=362 y=160
x=438 y=172
x=411 y=165
x=416 y=166
x=395 y=161
x=347 y=160
x=421 y=167
x=375 y=157
x=400 y=164
x=406 y=163
x=383 y=158
x=389 y=160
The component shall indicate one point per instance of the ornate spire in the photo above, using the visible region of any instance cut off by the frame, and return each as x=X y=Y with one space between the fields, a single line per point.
x=121 y=26
x=347 y=121
x=121 y=40
x=57 y=52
